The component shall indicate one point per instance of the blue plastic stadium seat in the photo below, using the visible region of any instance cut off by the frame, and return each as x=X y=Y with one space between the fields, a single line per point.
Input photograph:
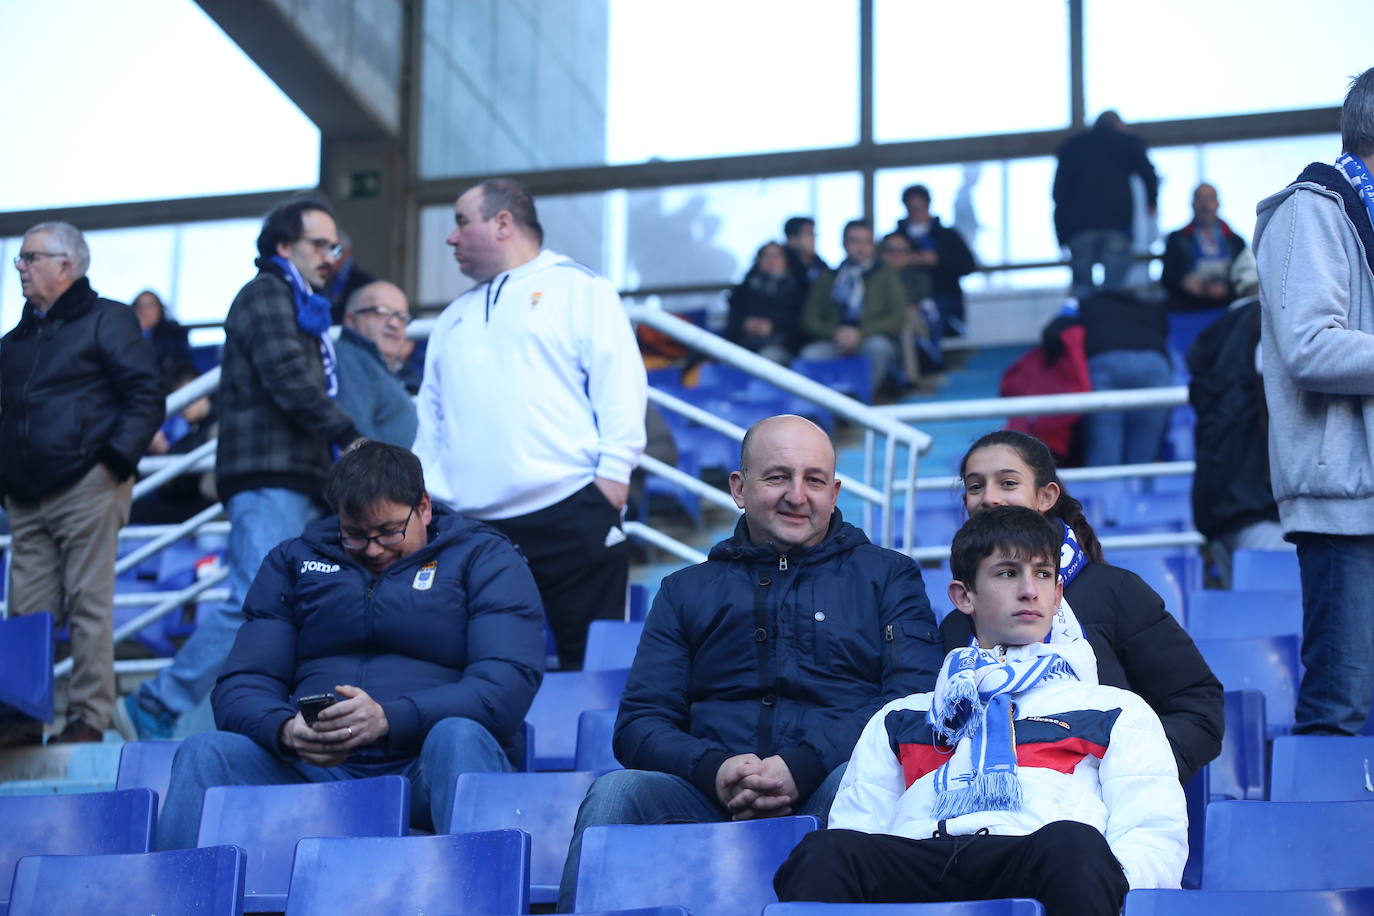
x=92 y=823
x=1344 y=902
x=1238 y=772
x=1268 y=664
x=639 y=602
x=1272 y=569
x=208 y=882
x=1019 y=906
x=1161 y=571
x=148 y=765
x=1282 y=846
x=484 y=872
x=1226 y=614
x=543 y=805
x=611 y=644
x=595 y=731
x=26 y=663
x=268 y=820
x=1323 y=768
x=642 y=911
x=848 y=375
x=724 y=869
x=563 y=696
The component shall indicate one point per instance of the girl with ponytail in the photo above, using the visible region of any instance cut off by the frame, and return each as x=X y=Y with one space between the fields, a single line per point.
x=1138 y=644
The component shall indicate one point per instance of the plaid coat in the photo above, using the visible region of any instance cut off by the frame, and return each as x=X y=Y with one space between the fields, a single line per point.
x=277 y=420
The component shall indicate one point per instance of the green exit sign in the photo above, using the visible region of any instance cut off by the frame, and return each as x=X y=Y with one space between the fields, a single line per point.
x=363 y=185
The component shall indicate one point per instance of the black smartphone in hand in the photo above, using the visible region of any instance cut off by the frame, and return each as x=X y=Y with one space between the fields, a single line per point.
x=311 y=706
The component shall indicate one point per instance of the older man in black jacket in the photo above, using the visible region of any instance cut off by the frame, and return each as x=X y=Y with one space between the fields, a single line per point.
x=80 y=400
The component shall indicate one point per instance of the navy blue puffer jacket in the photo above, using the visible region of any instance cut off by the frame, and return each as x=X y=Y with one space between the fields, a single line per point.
x=454 y=629
x=751 y=652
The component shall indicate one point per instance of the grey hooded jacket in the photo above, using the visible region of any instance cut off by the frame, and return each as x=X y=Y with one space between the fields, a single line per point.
x=1314 y=245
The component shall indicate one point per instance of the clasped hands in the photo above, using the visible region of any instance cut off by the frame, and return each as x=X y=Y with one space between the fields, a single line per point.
x=339 y=730
x=748 y=787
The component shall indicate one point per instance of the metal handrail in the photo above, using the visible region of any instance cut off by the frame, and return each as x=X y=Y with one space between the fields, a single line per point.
x=1038 y=404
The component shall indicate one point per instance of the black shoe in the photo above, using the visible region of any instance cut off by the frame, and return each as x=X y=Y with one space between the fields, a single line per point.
x=21 y=733
x=77 y=732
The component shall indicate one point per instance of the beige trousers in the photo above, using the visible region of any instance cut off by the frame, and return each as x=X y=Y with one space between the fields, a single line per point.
x=63 y=561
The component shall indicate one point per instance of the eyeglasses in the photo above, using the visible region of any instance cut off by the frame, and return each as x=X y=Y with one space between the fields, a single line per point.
x=28 y=257
x=326 y=246
x=385 y=314
x=386 y=539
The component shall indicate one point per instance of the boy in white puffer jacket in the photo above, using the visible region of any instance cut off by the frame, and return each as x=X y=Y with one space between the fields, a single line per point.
x=1019 y=776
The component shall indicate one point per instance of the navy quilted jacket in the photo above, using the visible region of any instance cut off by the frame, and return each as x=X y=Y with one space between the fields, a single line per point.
x=454 y=629
x=751 y=653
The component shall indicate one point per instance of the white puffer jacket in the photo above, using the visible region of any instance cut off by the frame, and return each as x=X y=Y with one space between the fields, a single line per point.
x=1085 y=753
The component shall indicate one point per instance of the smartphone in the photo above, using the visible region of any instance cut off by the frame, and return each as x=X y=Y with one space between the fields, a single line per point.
x=310 y=707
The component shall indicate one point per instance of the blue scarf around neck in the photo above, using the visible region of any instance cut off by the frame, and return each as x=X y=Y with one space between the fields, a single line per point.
x=1357 y=173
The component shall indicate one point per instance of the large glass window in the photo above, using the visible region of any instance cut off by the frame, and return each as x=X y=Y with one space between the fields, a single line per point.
x=955 y=69
x=1185 y=59
x=687 y=235
x=509 y=86
x=109 y=105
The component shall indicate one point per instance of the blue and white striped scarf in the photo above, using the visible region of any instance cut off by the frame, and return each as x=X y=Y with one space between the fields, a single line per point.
x=972 y=710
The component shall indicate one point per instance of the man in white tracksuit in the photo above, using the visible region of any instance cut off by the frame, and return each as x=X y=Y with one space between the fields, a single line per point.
x=532 y=408
x=1028 y=778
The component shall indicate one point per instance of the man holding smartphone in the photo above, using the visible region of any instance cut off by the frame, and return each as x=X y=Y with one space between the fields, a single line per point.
x=394 y=637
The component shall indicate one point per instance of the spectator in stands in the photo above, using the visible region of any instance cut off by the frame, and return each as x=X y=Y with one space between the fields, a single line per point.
x=921 y=333
x=758 y=667
x=1125 y=338
x=1233 y=495
x=369 y=344
x=345 y=279
x=859 y=308
x=537 y=365
x=80 y=399
x=1314 y=242
x=1019 y=776
x=1093 y=205
x=1139 y=645
x=1198 y=257
x=426 y=628
x=940 y=251
x=182 y=433
x=765 y=309
x=806 y=266
x=169 y=338
x=279 y=421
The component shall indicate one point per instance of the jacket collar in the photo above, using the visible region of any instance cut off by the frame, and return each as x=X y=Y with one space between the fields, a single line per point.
x=352 y=338
x=1330 y=178
x=841 y=537
x=76 y=301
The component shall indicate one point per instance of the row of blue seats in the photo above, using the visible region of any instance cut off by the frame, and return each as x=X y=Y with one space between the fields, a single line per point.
x=544 y=804
x=287 y=860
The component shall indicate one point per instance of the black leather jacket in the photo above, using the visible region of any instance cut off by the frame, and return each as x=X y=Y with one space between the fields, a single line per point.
x=78 y=387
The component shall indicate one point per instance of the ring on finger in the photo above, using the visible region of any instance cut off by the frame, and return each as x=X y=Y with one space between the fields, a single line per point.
x=350 y=731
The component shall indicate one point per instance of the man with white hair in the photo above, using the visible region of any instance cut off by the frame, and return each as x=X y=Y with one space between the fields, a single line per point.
x=369 y=346
x=80 y=399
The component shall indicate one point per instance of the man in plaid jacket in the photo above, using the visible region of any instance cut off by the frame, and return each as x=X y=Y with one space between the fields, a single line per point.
x=280 y=428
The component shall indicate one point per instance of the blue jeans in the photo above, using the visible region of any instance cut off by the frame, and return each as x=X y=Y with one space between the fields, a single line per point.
x=1337 y=633
x=453 y=746
x=259 y=520
x=645 y=797
x=1126 y=436
x=1109 y=247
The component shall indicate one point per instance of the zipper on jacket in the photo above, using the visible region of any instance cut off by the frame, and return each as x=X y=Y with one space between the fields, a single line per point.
x=890 y=637
x=492 y=300
x=782 y=563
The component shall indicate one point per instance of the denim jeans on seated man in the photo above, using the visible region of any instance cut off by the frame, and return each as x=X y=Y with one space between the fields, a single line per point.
x=259 y=520
x=1337 y=633
x=453 y=747
x=880 y=349
x=645 y=797
x=1126 y=436
x=1109 y=247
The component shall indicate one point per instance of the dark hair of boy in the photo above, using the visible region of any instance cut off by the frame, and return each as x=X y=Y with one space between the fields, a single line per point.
x=1016 y=532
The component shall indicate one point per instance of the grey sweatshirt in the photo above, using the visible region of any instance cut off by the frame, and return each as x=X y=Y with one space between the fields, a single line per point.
x=1317 y=338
